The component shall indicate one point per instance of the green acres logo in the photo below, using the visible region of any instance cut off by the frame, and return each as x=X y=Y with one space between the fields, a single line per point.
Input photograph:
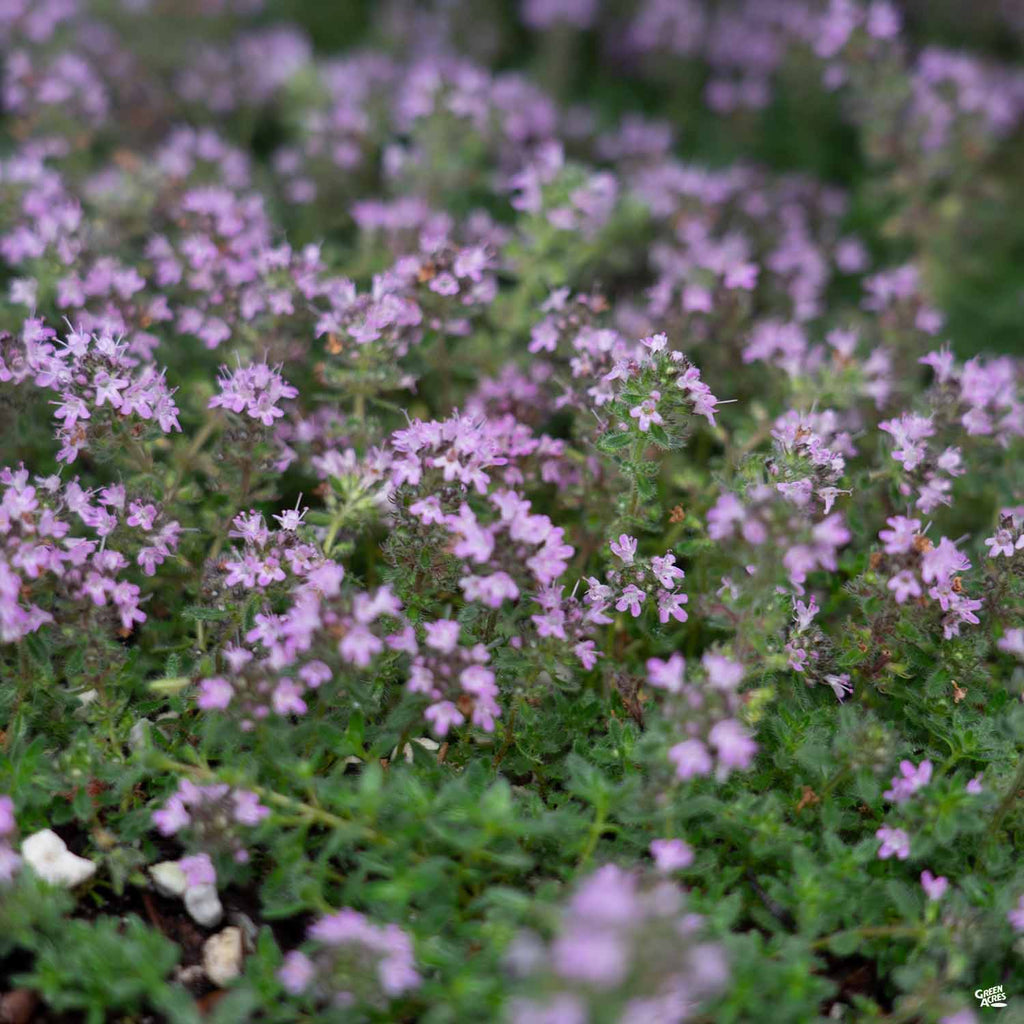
x=991 y=996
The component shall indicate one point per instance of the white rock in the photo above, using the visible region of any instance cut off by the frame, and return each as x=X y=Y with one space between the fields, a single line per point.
x=222 y=956
x=48 y=856
x=168 y=878
x=203 y=904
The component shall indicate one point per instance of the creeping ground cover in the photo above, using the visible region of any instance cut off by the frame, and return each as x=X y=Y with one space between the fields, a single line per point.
x=511 y=511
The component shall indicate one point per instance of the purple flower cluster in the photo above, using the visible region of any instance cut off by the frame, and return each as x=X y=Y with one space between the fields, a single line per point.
x=444 y=670
x=253 y=390
x=634 y=579
x=626 y=944
x=706 y=710
x=909 y=781
x=351 y=960
x=211 y=816
x=103 y=394
x=485 y=334
x=916 y=562
x=47 y=564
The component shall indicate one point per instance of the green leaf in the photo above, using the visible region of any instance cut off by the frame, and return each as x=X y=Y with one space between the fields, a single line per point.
x=614 y=442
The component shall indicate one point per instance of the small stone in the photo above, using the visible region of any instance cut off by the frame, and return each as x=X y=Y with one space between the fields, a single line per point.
x=18 y=1006
x=192 y=977
x=222 y=956
x=169 y=879
x=203 y=904
x=247 y=926
x=48 y=856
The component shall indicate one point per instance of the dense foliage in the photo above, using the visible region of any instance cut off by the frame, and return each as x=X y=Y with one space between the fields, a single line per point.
x=510 y=512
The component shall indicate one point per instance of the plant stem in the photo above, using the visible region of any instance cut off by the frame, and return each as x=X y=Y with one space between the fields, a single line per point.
x=873 y=932
x=509 y=736
x=193 y=450
x=839 y=776
x=600 y=816
x=270 y=796
x=1008 y=800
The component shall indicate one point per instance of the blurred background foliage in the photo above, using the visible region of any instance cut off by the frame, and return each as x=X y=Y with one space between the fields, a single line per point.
x=974 y=253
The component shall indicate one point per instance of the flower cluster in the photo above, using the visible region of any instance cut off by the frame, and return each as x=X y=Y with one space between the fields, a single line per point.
x=909 y=781
x=444 y=670
x=210 y=815
x=667 y=474
x=705 y=709
x=915 y=562
x=253 y=390
x=635 y=578
x=351 y=961
x=103 y=395
x=622 y=943
x=45 y=564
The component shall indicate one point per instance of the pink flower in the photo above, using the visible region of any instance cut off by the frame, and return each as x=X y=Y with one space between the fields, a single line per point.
x=900 y=538
x=666 y=571
x=804 y=614
x=943 y=561
x=734 y=746
x=287 y=698
x=909 y=781
x=1002 y=542
x=1012 y=641
x=666 y=675
x=895 y=842
x=723 y=673
x=7 y=822
x=198 y=869
x=1016 y=916
x=442 y=635
x=632 y=598
x=248 y=810
x=935 y=888
x=254 y=390
x=172 y=817
x=646 y=412
x=670 y=605
x=443 y=716
x=691 y=758
x=359 y=646
x=215 y=694
x=904 y=585
x=841 y=685
x=671 y=854
x=296 y=972
x=797 y=657
x=624 y=548
x=587 y=654
x=10 y=862
x=314 y=674
x=491 y=590
x=726 y=512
